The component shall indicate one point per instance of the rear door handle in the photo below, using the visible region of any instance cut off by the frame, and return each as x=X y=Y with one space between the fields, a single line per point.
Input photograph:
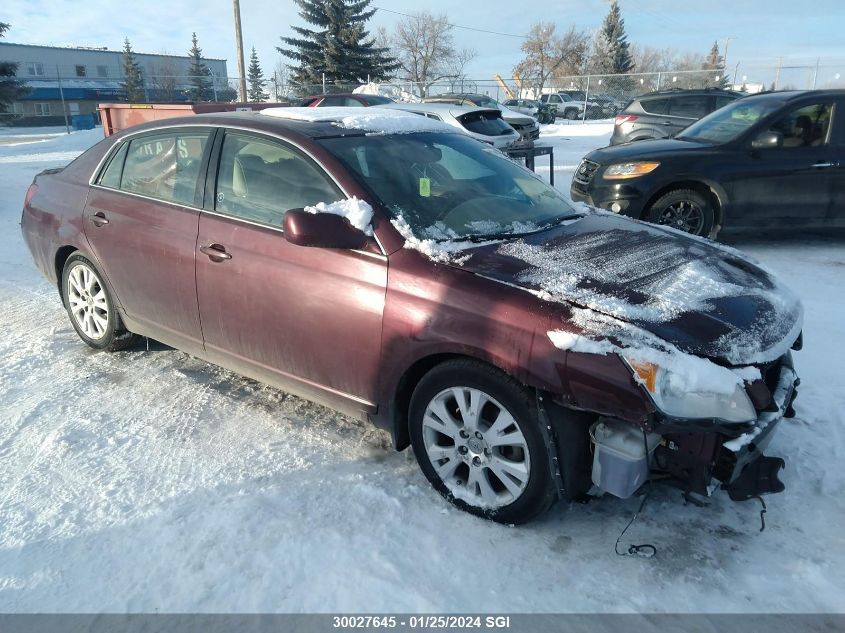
x=823 y=165
x=99 y=219
x=215 y=252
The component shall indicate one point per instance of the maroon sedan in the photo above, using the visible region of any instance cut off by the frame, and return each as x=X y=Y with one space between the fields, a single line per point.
x=388 y=267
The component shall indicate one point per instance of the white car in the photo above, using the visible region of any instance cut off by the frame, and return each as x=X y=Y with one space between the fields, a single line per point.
x=484 y=124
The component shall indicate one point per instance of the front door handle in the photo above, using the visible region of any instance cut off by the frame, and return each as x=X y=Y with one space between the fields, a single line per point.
x=823 y=165
x=99 y=219
x=215 y=252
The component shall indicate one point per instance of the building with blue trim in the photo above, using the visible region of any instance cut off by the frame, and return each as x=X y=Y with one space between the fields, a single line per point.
x=88 y=76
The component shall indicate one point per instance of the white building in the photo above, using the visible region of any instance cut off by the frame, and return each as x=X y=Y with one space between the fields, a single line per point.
x=87 y=76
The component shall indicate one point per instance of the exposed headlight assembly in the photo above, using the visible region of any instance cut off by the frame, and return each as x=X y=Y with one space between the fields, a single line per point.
x=671 y=398
x=623 y=171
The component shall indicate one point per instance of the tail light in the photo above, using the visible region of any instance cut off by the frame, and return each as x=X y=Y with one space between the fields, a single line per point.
x=33 y=189
x=625 y=118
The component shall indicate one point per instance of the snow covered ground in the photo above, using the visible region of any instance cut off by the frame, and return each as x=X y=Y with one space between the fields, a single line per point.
x=148 y=481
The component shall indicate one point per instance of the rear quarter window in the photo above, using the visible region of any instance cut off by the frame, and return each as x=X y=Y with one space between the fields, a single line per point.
x=111 y=174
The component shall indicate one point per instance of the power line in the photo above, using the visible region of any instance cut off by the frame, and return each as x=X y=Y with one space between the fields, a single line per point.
x=457 y=26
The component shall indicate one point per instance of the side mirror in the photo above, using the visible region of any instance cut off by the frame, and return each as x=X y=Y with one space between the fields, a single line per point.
x=767 y=140
x=323 y=230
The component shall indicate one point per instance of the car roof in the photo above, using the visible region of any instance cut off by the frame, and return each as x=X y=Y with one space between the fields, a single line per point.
x=680 y=92
x=434 y=108
x=255 y=121
x=460 y=95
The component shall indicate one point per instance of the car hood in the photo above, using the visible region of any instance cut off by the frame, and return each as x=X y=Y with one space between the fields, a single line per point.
x=642 y=150
x=703 y=298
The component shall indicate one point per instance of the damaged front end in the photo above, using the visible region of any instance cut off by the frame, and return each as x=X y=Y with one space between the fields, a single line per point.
x=701 y=455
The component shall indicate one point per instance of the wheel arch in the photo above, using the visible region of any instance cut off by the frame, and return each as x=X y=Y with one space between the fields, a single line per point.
x=409 y=380
x=713 y=192
x=59 y=261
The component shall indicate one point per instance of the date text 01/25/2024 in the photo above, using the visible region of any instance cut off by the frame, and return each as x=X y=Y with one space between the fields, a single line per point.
x=421 y=622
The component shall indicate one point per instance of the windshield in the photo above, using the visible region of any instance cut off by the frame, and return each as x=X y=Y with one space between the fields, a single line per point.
x=449 y=186
x=727 y=123
x=486 y=123
x=376 y=99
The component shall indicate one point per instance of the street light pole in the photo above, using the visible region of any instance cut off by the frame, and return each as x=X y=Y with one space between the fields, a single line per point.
x=727 y=43
x=239 y=44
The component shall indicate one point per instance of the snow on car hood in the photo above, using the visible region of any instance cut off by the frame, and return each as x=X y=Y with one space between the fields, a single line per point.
x=700 y=297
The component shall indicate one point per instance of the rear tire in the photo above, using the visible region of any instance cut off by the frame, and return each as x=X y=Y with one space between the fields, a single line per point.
x=683 y=209
x=91 y=308
x=476 y=436
x=571 y=114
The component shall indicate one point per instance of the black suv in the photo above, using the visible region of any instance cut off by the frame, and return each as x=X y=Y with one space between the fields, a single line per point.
x=770 y=161
x=662 y=114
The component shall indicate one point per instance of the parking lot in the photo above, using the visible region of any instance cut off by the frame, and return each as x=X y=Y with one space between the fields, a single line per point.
x=148 y=480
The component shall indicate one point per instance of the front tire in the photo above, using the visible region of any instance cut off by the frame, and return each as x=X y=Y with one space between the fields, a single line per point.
x=476 y=436
x=91 y=308
x=683 y=209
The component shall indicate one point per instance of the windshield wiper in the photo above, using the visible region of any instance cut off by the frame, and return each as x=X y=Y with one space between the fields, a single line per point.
x=509 y=235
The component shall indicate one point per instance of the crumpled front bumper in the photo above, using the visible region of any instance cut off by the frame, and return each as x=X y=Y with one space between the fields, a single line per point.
x=700 y=460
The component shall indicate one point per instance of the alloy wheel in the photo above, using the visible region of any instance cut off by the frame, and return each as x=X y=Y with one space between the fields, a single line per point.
x=476 y=447
x=87 y=300
x=684 y=215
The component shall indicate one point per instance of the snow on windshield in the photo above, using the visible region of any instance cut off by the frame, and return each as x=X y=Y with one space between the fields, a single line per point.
x=372 y=120
x=358 y=212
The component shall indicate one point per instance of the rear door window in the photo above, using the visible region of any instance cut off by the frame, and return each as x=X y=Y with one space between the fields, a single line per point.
x=693 y=107
x=655 y=106
x=165 y=166
x=261 y=179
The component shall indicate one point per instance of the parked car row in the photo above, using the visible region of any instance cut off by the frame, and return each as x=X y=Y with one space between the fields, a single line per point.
x=479 y=115
x=517 y=344
x=769 y=161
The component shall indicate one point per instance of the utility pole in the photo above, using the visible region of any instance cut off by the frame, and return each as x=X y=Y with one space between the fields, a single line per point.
x=239 y=44
x=777 y=73
x=62 y=95
x=725 y=54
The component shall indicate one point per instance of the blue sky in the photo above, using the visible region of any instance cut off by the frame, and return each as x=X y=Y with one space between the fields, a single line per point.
x=762 y=30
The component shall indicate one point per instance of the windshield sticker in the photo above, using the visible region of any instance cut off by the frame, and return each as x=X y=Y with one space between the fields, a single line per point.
x=425 y=187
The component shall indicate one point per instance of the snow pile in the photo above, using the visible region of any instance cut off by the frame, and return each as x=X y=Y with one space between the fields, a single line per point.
x=358 y=212
x=444 y=252
x=372 y=120
x=603 y=334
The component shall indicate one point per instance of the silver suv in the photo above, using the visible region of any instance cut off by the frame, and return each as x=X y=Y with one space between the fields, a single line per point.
x=664 y=114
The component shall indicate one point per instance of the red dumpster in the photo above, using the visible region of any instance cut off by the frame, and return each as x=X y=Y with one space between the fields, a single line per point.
x=119 y=116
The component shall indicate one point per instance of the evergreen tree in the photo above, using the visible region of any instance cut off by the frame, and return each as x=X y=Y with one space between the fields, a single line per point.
x=339 y=46
x=716 y=62
x=611 y=51
x=133 y=80
x=198 y=74
x=11 y=89
x=255 y=79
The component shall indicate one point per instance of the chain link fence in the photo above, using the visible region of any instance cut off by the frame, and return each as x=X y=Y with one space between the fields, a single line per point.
x=66 y=94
